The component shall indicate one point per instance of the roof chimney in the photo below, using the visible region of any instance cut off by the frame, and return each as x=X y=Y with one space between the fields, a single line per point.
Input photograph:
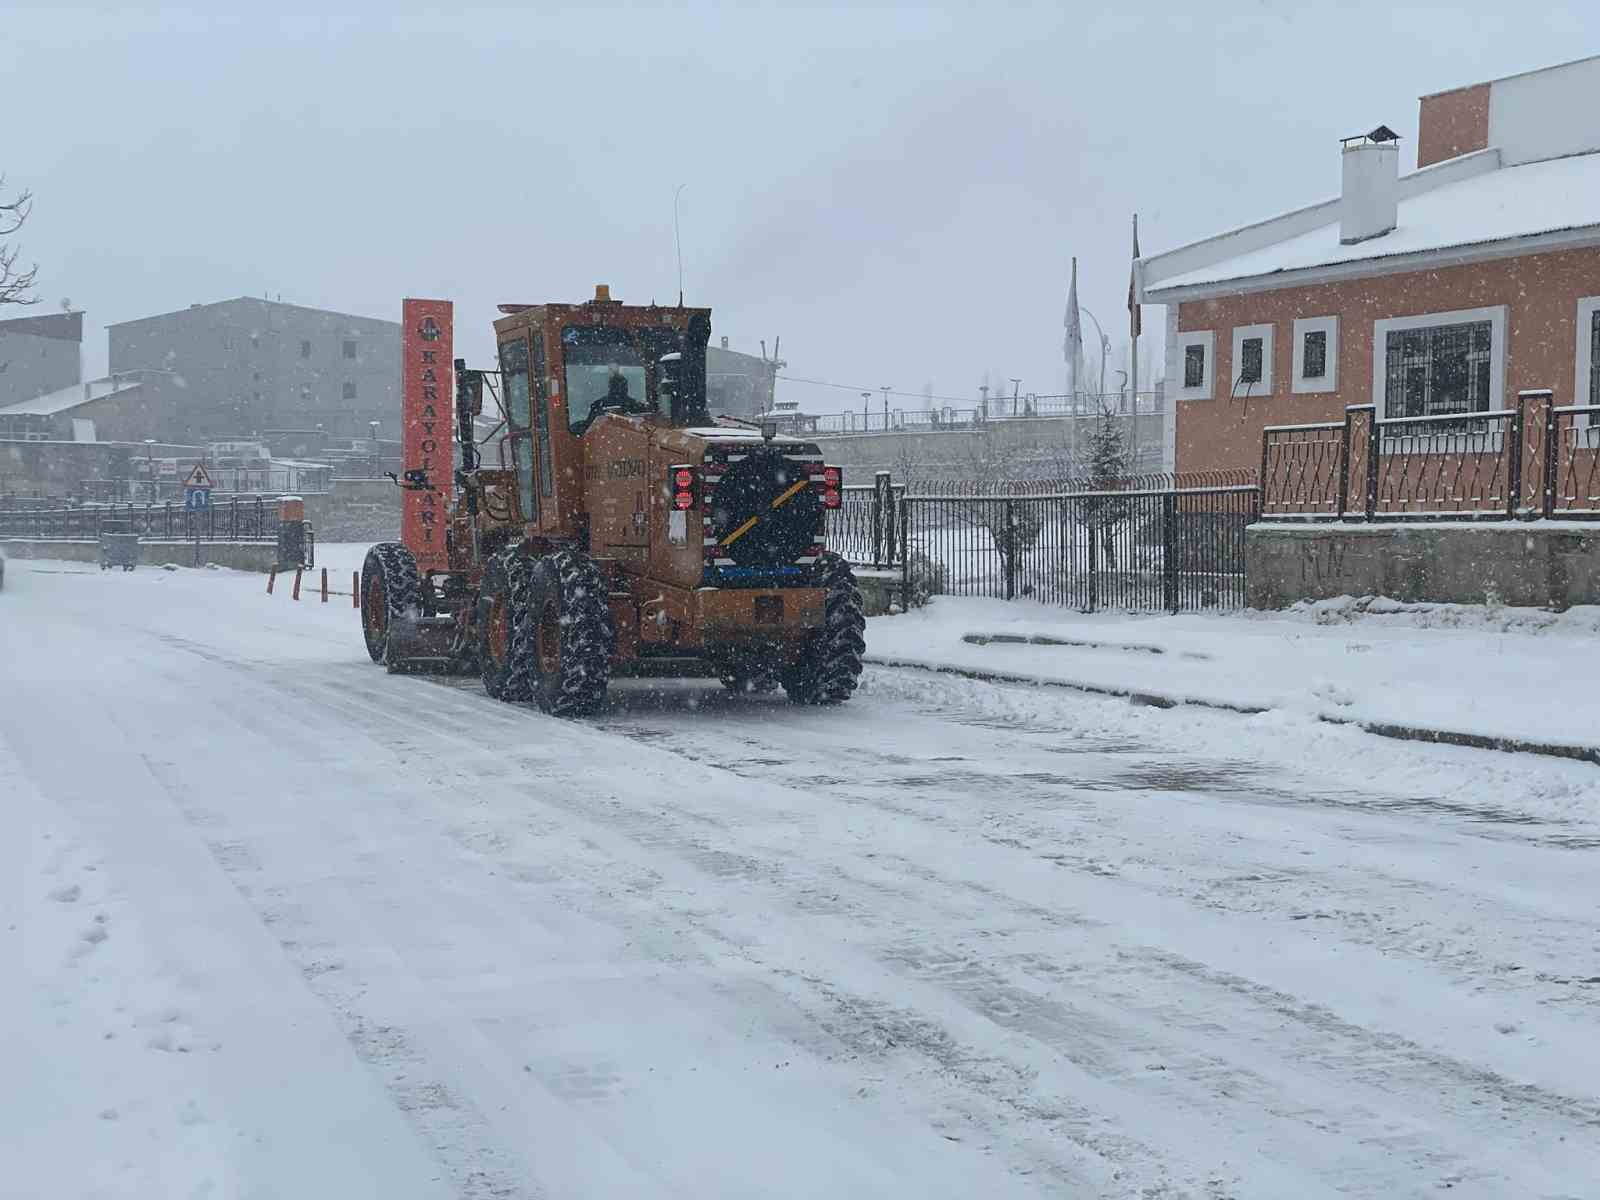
x=724 y=343
x=1369 y=200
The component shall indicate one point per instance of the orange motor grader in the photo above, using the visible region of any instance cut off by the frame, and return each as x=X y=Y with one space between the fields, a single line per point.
x=627 y=530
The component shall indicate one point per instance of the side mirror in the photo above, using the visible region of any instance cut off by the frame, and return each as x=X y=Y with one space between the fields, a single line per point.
x=469 y=389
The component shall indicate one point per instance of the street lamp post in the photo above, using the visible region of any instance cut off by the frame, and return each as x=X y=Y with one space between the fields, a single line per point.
x=1105 y=344
x=885 y=390
x=866 y=411
x=983 y=402
x=150 y=465
x=1016 y=384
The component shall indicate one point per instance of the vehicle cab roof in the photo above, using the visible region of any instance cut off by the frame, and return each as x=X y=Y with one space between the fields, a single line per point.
x=602 y=310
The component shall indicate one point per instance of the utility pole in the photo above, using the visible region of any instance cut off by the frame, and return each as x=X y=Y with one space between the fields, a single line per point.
x=983 y=402
x=885 y=390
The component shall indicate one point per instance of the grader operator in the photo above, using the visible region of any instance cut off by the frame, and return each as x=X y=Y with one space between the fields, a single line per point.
x=626 y=531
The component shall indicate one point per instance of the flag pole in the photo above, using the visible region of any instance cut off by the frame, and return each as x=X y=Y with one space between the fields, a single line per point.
x=1072 y=349
x=1133 y=329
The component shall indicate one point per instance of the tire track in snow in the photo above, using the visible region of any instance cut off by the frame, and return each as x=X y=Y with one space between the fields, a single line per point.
x=1376 y=1049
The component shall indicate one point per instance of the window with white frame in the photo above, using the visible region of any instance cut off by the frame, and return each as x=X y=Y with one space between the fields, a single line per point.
x=1252 y=360
x=1439 y=364
x=1316 y=354
x=1195 y=365
x=1586 y=387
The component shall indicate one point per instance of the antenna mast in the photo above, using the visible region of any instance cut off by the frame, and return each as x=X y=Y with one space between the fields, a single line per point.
x=677 y=239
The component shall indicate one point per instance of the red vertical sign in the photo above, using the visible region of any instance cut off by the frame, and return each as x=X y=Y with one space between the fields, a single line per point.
x=427 y=425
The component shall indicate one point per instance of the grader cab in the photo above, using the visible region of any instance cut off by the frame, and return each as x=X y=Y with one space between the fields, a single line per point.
x=626 y=529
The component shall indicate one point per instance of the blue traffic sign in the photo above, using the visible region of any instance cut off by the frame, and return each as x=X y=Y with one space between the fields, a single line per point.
x=196 y=499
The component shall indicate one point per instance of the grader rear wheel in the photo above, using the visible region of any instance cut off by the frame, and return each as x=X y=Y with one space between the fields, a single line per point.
x=391 y=588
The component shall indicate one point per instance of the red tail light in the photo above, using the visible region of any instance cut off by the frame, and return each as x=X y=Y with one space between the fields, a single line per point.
x=681 y=481
x=832 y=481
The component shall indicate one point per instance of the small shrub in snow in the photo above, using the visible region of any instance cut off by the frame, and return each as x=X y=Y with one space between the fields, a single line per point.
x=928 y=579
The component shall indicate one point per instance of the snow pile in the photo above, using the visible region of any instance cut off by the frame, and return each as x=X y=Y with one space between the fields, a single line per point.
x=1490 y=672
x=1580 y=620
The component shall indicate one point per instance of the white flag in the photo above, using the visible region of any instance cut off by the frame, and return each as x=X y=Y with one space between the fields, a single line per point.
x=1072 y=345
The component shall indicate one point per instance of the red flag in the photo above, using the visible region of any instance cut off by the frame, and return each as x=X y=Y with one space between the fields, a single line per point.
x=1135 y=326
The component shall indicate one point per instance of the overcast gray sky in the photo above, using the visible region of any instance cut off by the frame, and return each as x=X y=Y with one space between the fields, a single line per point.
x=896 y=190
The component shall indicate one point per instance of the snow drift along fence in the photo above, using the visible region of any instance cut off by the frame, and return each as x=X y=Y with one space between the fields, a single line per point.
x=1537 y=460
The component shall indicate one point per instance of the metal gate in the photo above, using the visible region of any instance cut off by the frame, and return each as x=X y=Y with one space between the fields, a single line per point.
x=1133 y=551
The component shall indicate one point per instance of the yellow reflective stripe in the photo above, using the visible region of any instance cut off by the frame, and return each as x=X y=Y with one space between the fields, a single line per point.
x=790 y=494
x=740 y=532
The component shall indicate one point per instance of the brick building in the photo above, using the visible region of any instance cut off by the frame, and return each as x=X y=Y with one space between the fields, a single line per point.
x=1446 y=290
x=240 y=367
x=39 y=354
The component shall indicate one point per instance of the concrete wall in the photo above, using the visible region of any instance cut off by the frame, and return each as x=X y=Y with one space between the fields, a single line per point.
x=241 y=556
x=1540 y=564
x=357 y=510
x=1546 y=113
x=1020 y=448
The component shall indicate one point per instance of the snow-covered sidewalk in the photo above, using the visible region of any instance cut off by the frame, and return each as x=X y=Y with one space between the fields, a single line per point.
x=1517 y=675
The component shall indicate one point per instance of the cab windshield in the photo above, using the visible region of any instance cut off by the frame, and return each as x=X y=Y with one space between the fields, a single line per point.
x=613 y=370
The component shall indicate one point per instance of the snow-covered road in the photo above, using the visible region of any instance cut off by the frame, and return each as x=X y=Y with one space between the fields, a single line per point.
x=289 y=926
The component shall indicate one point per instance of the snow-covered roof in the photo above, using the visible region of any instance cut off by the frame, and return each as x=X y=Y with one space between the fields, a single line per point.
x=1535 y=198
x=59 y=401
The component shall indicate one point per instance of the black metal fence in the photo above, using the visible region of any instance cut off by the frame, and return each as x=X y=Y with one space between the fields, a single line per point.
x=1133 y=549
x=236 y=519
x=1536 y=460
x=866 y=526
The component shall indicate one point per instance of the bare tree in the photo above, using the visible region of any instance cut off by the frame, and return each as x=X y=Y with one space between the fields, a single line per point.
x=1013 y=526
x=16 y=285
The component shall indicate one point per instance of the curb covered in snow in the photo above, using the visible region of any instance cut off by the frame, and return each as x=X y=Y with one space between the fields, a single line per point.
x=1407 y=733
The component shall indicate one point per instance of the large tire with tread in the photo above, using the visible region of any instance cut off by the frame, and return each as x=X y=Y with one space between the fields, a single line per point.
x=563 y=637
x=391 y=588
x=829 y=665
x=497 y=621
